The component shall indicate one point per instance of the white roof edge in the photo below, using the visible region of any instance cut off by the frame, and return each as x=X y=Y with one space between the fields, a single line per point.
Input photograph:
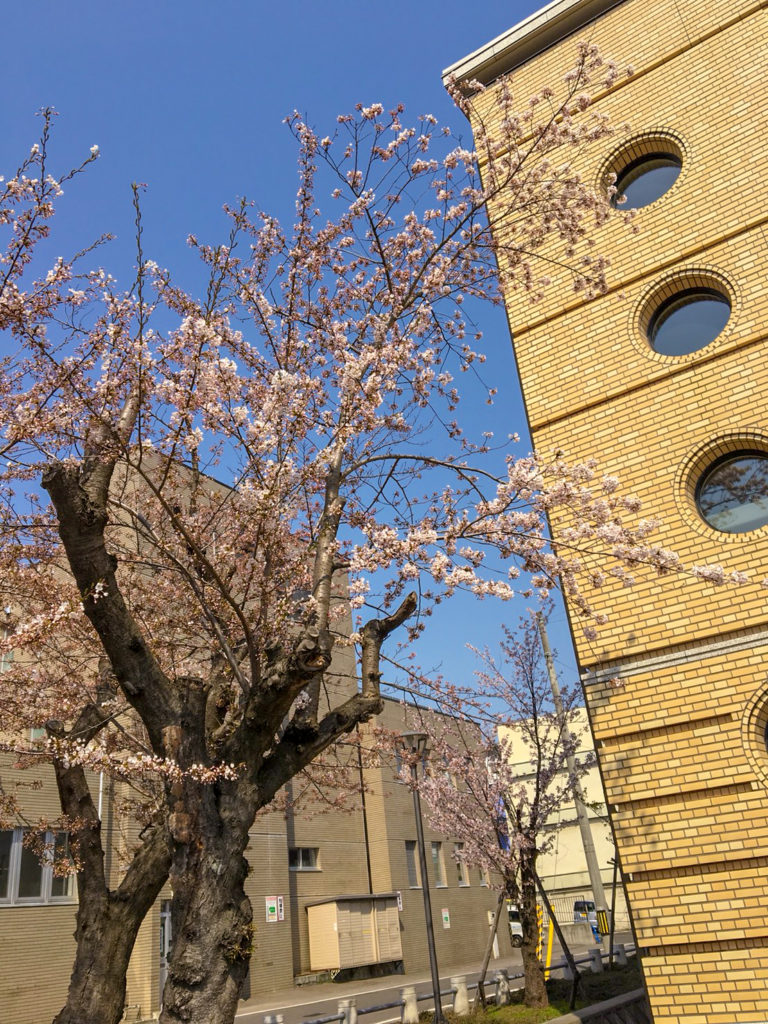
x=529 y=37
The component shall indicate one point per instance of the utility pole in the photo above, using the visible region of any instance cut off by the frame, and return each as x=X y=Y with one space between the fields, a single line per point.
x=415 y=747
x=582 y=814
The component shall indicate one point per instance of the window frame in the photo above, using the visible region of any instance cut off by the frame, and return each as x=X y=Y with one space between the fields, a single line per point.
x=314 y=858
x=438 y=864
x=672 y=304
x=461 y=866
x=705 y=479
x=639 y=168
x=413 y=864
x=45 y=897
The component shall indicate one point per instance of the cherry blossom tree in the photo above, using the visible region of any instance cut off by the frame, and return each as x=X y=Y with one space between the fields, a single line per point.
x=192 y=488
x=475 y=793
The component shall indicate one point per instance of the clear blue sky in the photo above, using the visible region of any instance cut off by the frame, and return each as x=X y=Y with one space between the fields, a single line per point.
x=189 y=97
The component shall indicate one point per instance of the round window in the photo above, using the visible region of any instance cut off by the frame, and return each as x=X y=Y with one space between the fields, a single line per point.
x=732 y=495
x=688 y=321
x=645 y=180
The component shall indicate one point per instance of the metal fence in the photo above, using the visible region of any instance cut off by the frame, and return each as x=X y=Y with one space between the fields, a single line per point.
x=407 y=1004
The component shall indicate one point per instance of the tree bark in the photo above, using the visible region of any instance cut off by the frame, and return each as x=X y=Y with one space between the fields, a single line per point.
x=107 y=925
x=108 y=921
x=106 y=934
x=211 y=915
x=535 y=986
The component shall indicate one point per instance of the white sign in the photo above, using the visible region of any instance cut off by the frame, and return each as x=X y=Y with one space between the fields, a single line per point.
x=271 y=906
x=280 y=908
x=446 y=917
x=399 y=900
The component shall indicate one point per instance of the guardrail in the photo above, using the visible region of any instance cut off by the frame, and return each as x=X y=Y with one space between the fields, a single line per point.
x=407 y=1004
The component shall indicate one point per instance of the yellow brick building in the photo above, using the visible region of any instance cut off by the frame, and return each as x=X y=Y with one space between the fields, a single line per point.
x=678 y=412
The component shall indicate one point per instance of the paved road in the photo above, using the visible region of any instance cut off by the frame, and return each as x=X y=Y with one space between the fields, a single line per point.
x=311 y=1002
x=312 y=1009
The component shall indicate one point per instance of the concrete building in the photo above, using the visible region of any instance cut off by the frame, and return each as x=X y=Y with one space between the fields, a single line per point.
x=563 y=867
x=341 y=882
x=663 y=380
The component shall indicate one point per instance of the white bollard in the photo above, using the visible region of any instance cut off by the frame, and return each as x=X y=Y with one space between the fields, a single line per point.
x=349 y=1008
x=460 y=996
x=596 y=956
x=410 y=1005
x=620 y=953
x=502 y=988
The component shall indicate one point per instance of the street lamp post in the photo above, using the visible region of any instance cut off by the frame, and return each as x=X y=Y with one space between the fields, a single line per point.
x=415 y=745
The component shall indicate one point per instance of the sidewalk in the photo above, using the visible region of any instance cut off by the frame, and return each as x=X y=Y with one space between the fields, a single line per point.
x=298 y=995
x=366 y=988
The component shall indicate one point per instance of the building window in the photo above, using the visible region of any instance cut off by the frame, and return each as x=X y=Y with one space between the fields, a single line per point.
x=732 y=495
x=6 y=658
x=303 y=858
x=688 y=321
x=485 y=878
x=646 y=179
x=25 y=878
x=643 y=168
x=437 y=863
x=461 y=866
x=412 y=862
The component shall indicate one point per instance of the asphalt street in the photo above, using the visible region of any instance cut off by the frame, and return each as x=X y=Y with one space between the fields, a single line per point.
x=310 y=1002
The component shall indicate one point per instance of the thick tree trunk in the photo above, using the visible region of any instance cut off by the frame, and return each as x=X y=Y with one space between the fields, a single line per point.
x=106 y=934
x=108 y=921
x=535 y=986
x=211 y=917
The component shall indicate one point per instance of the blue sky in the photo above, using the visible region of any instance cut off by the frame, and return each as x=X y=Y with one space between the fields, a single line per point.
x=189 y=98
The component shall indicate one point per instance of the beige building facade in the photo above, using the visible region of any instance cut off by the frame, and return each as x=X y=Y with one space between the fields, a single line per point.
x=674 y=404
x=323 y=881
x=562 y=866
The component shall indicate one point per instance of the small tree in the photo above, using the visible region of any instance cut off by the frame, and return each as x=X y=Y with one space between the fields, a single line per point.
x=177 y=632
x=476 y=793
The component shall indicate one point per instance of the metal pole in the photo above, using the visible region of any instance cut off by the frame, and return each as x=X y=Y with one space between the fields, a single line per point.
x=439 y=1019
x=613 y=910
x=489 y=948
x=545 y=901
x=587 y=841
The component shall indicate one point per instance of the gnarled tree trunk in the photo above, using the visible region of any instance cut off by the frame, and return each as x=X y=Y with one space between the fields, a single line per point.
x=211 y=914
x=106 y=934
x=108 y=920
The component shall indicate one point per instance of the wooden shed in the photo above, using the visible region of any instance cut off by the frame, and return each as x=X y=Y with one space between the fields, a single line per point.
x=350 y=931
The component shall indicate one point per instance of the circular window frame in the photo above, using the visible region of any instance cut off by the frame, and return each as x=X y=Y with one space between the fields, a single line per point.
x=700 y=460
x=722 y=460
x=754 y=733
x=656 y=141
x=662 y=291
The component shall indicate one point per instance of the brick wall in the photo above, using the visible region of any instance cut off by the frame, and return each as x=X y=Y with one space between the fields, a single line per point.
x=681 y=735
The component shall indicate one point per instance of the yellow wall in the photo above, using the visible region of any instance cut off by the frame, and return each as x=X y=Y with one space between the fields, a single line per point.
x=677 y=682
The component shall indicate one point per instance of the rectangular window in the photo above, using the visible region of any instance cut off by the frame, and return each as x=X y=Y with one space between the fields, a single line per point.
x=24 y=878
x=412 y=860
x=484 y=877
x=62 y=886
x=437 y=863
x=6 y=841
x=6 y=658
x=461 y=867
x=30 y=876
x=303 y=858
